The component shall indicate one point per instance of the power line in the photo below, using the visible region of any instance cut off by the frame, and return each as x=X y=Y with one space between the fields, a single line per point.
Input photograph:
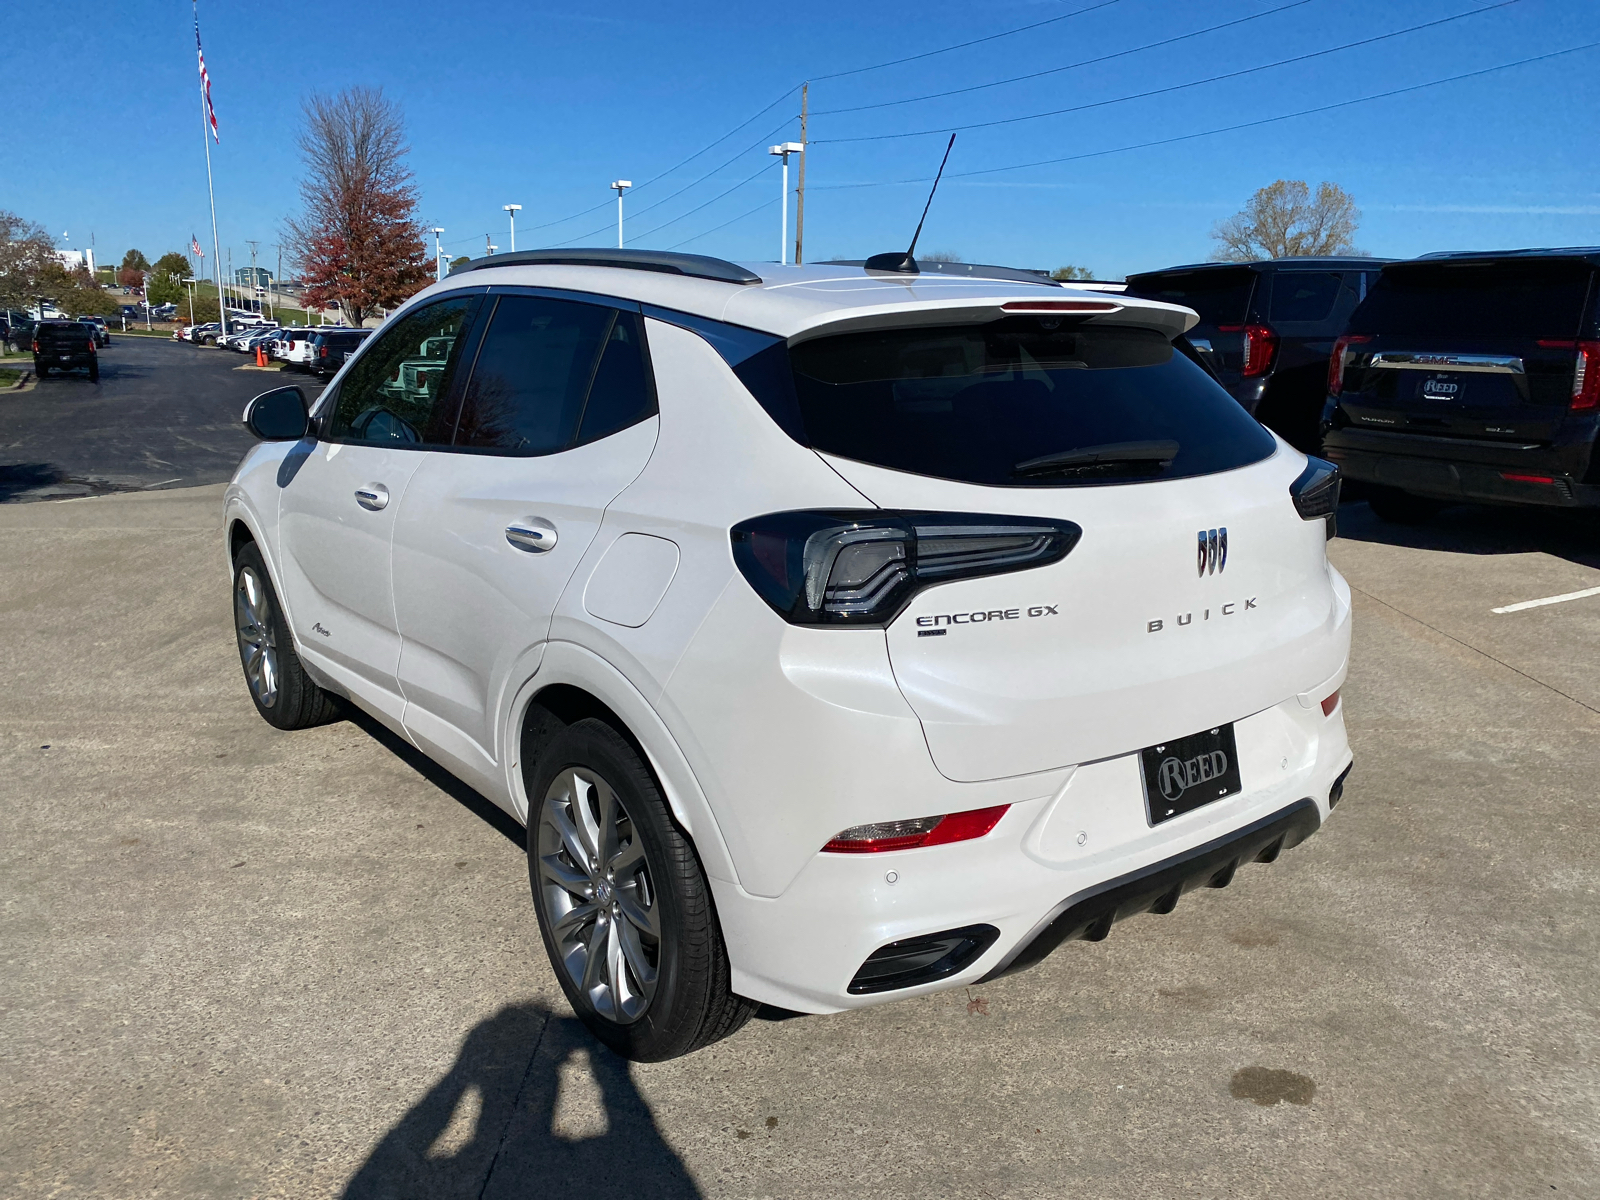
x=974 y=42
x=764 y=205
x=1304 y=112
x=1182 y=37
x=742 y=183
x=1177 y=87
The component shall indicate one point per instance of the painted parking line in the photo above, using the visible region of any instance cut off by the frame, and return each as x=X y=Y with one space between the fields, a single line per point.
x=1562 y=599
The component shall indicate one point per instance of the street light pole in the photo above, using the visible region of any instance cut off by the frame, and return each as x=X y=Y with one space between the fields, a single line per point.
x=620 y=186
x=512 y=210
x=784 y=150
x=438 y=254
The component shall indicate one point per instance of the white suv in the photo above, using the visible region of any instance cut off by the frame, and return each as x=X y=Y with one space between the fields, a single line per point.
x=838 y=634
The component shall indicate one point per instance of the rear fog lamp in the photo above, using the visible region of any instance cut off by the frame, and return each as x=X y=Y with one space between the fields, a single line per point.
x=922 y=831
x=1331 y=703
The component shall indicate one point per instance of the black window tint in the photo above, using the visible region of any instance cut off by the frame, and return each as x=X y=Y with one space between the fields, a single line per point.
x=621 y=393
x=1304 y=295
x=971 y=403
x=528 y=386
x=1221 y=297
x=398 y=392
x=1527 y=299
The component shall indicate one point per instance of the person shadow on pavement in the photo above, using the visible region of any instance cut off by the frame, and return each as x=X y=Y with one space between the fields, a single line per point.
x=499 y=1126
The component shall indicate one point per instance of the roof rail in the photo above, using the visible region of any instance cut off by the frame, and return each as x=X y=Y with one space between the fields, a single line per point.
x=698 y=266
x=933 y=266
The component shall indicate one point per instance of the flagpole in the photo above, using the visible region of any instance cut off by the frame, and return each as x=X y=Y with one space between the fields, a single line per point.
x=205 y=136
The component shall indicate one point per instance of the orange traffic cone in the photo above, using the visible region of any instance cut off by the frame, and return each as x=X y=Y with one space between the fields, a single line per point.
x=261 y=356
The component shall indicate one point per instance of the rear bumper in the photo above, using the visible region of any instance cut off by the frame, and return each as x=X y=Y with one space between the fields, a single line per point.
x=1058 y=867
x=1514 y=476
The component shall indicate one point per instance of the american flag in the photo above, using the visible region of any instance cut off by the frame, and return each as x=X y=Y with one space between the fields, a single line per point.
x=205 y=79
x=194 y=244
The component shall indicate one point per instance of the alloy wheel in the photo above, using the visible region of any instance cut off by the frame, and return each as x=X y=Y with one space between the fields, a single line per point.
x=258 y=646
x=602 y=906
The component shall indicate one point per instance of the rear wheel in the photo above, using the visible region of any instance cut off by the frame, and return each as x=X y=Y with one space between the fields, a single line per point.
x=624 y=909
x=283 y=693
x=1403 y=508
x=40 y=370
x=94 y=372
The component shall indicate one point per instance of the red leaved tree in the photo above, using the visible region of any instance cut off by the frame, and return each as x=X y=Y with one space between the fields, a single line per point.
x=358 y=240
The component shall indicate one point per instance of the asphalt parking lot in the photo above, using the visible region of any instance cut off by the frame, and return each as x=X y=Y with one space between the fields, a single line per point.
x=164 y=414
x=242 y=963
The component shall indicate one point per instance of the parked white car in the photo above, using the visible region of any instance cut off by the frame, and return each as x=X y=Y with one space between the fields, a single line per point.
x=292 y=346
x=839 y=634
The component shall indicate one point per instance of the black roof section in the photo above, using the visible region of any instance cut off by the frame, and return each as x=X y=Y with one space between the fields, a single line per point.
x=1274 y=264
x=697 y=266
x=1590 y=253
x=969 y=270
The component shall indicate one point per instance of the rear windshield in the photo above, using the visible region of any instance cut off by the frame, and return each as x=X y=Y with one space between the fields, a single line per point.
x=992 y=404
x=1504 y=299
x=1220 y=297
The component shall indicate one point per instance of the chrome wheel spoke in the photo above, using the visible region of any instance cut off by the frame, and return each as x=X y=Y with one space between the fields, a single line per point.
x=569 y=878
x=626 y=859
x=593 y=963
x=567 y=926
x=639 y=917
x=633 y=952
x=560 y=815
x=616 y=973
x=606 y=831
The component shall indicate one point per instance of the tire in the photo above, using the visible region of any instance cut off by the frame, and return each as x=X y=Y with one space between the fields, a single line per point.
x=653 y=881
x=1403 y=508
x=279 y=687
x=94 y=372
x=40 y=371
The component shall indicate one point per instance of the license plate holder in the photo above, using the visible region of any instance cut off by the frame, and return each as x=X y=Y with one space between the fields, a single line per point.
x=1442 y=389
x=1189 y=773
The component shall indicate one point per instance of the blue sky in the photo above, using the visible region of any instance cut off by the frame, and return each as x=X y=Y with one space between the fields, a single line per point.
x=544 y=105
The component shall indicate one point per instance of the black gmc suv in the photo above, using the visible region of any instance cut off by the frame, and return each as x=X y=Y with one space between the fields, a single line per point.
x=65 y=346
x=330 y=347
x=1267 y=329
x=1471 y=377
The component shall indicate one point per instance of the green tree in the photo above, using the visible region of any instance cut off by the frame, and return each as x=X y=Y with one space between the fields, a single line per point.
x=1285 y=221
x=26 y=251
x=166 y=279
x=74 y=292
x=134 y=260
x=1063 y=274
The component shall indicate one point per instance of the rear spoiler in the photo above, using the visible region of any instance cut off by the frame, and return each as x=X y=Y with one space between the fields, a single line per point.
x=1170 y=320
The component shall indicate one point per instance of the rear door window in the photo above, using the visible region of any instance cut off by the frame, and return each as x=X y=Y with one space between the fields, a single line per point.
x=1304 y=295
x=552 y=373
x=995 y=403
x=1507 y=299
x=1220 y=297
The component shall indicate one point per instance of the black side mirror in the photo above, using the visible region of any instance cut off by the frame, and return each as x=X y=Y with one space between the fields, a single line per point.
x=278 y=416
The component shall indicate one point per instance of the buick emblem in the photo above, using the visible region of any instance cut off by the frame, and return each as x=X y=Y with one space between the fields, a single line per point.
x=1212 y=555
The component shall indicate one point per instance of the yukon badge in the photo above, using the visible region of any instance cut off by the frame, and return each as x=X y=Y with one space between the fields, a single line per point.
x=1213 y=551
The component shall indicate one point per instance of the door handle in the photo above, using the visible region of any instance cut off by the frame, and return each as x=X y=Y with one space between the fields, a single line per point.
x=535 y=537
x=372 y=496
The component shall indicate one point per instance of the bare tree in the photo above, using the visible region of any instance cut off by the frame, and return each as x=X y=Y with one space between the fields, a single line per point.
x=1284 y=221
x=26 y=253
x=358 y=240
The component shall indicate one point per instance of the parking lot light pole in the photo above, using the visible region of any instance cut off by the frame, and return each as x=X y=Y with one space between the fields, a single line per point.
x=620 y=186
x=784 y=150
x=512 y=210
x=190 y=290
x=438 y=254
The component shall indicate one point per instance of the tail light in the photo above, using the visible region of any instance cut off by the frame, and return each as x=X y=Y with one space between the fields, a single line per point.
x=1260 y=348
x=909 y=835
x=839 y=567
x=1316 y=493
x=36 y=345
x=1586 y=377
x=324 y=352
x=1336 y=362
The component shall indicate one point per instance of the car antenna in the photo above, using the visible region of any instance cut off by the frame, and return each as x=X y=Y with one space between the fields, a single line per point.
x=905 y=263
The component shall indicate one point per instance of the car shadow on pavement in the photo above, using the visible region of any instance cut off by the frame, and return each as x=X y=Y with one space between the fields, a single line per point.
x=480 y=805
x=502 y=1124
x=1484 y=529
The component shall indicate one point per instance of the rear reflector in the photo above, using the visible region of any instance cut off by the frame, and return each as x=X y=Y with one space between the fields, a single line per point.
x=909 y=835
x=1331 y=703
x=1526 y=478
x=1059 y=306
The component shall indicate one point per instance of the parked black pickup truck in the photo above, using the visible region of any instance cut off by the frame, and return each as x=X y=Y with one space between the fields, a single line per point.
x=1471 y=377
x=64 y=346
x=1267 y=329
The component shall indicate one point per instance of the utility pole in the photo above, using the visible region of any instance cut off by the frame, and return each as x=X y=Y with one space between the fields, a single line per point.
x=438 y=254
x=620 y=186
x=255 y=279
x=800 y=195
x=277 y=279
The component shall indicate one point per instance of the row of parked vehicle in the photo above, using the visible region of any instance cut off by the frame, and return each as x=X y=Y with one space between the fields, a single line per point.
x=318 y=350
x=1447 y=378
